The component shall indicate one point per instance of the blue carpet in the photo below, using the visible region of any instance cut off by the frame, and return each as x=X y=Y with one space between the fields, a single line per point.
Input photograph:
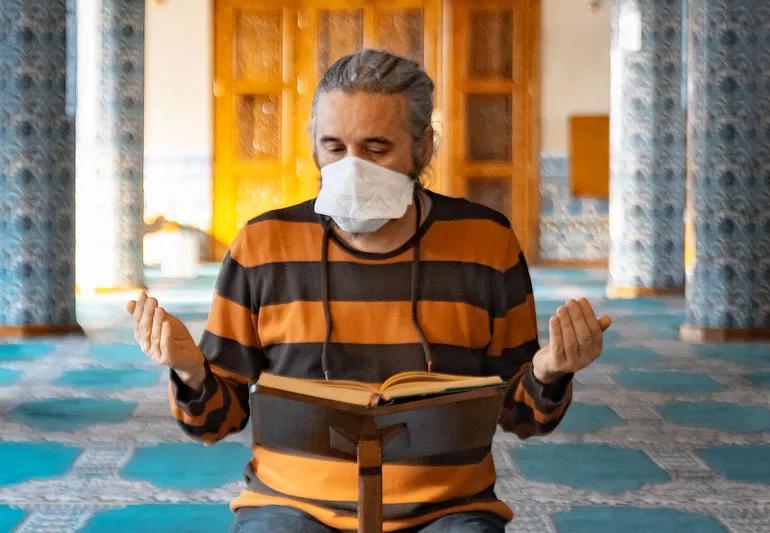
x=718 y=415
x=629 y=356
x=588 y=466
x=633 y=520
x=760 y=379
x=587 y=417
x=24 y=352
x=8 y=377
x=71 y=414
x=23 y=461
x=668 y=382
x=107 y=378
x=111 y=458
x=168 y=465
x=117 y=353
x=749 y=463
x=159 y=518
x=9 y=517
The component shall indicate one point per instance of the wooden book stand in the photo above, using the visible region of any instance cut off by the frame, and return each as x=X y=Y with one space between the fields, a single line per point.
x=459 y=425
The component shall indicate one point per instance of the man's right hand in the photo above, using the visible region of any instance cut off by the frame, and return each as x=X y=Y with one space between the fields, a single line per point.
x=165 y=339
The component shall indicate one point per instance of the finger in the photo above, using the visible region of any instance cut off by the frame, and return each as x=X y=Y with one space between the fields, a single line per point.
x=555 y=341
x=138 y=310
x=165 y=336
x=605 y=321
x=571 y=349
x=130 y=306
x=145 y=326
x=592 y=322
x=585 y=339
x=157 y=323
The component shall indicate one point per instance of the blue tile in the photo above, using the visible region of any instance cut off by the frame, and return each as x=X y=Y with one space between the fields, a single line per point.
x=633 y=520
x=27 y=351
x=71 y=414
x=664 y=326
x=33 y=460
x=760 y=379
x=162 y=518
x=629 y=356
x=589 y=417
x=168 y=464
x=10 y=517
x=749 y=463
x=747 y=354
x=107 y=378
x=117 y=353
x=668 y=382
x=592 y=467
x=9 y=377
x=721 y=416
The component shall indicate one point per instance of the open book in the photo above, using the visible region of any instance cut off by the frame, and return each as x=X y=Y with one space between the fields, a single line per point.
x=401 y=386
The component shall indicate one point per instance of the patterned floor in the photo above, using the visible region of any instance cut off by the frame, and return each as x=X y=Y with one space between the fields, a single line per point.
x=661 y=436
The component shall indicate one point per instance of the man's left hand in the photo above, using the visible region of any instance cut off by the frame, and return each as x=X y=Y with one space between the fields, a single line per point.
x=575 y=341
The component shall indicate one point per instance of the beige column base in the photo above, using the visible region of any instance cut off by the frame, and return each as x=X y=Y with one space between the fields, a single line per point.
x=39 y=331
x=694 y=334
x=641 y=292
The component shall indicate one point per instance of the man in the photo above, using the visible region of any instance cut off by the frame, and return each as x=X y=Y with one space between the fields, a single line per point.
x=374 y=276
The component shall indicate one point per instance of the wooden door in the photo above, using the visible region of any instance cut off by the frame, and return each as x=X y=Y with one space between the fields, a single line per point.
x=254 y=95
x=491 y=61
x=330 y=29
x=270 y=55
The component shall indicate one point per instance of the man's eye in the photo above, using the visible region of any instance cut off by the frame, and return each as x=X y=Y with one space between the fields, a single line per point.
x=336 y=149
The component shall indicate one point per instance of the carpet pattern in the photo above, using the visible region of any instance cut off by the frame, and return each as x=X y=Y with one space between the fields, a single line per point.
x=661 y=434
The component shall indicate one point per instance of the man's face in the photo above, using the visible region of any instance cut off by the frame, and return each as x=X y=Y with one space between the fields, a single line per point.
x=365 y=125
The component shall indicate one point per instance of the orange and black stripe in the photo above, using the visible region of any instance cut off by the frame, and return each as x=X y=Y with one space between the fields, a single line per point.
x=475 y=306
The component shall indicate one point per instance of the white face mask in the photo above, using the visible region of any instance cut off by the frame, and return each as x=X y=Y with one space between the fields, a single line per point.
x=361 y=196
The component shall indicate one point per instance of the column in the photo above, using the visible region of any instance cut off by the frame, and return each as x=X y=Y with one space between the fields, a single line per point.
x=110 y=144
x=728 y=160
x=37 y=171
x=647 y=126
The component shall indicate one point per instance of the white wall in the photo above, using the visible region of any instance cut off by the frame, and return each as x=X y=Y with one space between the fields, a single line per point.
x=575 y=66
x=178 y=137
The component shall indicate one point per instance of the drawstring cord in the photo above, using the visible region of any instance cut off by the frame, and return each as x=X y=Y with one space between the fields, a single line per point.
x=413 y=290
x=413 y=296
x=325 y=298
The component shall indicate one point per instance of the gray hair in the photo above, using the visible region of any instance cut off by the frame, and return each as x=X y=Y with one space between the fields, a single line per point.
x=381 y=72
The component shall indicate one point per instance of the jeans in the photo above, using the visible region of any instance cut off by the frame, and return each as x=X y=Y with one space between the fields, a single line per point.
x=281 y=519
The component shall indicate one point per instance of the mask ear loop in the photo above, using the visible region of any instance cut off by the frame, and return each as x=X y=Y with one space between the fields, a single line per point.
x=415 y=280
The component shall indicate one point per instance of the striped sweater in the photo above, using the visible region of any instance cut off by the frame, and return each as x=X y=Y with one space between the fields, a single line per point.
x=476 y=311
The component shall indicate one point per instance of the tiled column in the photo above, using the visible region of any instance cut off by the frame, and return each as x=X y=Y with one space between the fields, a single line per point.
x=37 y=171
x=647 y=125
x=110 y=141
x=728 y=157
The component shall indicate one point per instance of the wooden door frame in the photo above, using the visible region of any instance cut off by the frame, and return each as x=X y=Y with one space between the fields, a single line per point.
x=525 y=171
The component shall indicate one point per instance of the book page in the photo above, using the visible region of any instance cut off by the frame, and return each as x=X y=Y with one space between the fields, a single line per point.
x=419 y=388
x=419 y=376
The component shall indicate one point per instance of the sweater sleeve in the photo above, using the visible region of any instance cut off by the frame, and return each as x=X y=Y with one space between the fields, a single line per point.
x=530 y=407
x=233 y=358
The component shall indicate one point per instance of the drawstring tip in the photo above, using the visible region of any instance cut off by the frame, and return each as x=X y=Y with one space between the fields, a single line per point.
x=430 y=366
